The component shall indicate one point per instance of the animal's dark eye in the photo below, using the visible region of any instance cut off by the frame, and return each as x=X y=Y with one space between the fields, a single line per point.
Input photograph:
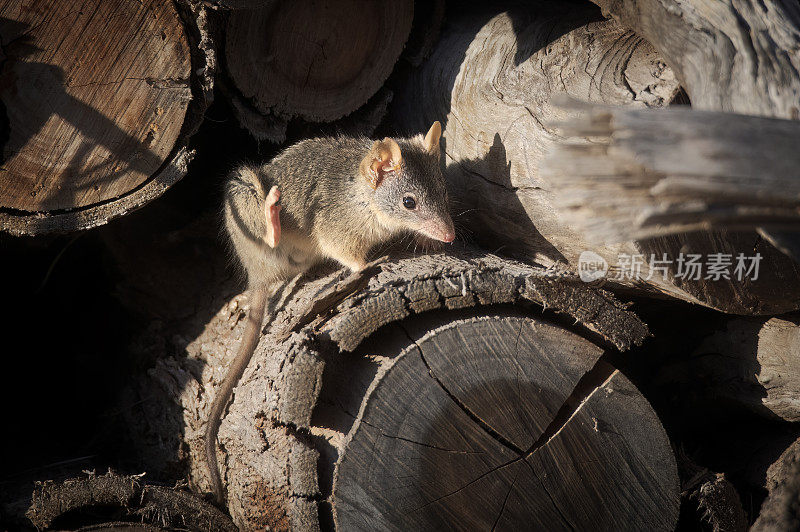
x=409 y=202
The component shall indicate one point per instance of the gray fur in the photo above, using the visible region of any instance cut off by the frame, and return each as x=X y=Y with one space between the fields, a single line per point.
x=329 y=210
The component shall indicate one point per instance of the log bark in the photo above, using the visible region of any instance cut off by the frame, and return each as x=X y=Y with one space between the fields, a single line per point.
x=98 y=106
x=317 y=61
x=751 y=363
x=74 y=503
x=733 y=55
x=781 y=509
x=490 y=81
x=496 y=97
x=281 y=437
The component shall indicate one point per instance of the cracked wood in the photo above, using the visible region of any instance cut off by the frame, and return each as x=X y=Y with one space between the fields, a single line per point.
x=667 y=178
x=734 y=56
x=99 y=99
x=474 y=423
x=290 y=411
x=490 y=81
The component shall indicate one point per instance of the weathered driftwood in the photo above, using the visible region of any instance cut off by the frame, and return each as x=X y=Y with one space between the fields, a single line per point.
x=651 y=173
x=490 y=80
x=751 y=363
x=99 y=104
x=732 y=55
x=318 y=61
x=289 y=420
x=126 y=501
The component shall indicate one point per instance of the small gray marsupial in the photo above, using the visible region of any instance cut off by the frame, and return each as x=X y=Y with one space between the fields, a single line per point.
x=324 y=198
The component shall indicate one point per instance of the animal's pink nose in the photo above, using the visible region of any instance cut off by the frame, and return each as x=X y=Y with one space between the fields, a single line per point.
x=448 y=237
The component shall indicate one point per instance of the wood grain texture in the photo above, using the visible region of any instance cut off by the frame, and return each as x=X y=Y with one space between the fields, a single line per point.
x=99 y=100
x=272 y=453
x=274 y=457
x=679 y=173
x=730 y=55
x=734 y=56
x=318 y=60
x=490 y=81
x=494 y=76
x=655 y=172
x=451 y=432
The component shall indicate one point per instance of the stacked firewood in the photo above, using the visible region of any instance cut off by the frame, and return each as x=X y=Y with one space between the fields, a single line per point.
x=596 y=152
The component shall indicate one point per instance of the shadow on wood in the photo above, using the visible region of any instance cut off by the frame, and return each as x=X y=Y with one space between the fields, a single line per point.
x=476 y=422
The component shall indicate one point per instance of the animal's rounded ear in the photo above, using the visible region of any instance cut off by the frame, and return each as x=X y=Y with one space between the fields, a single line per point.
x=382 y=159
x=431 y=141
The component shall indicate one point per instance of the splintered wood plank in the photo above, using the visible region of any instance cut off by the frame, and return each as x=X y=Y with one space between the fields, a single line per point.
x=95 y=96
x=502 y=422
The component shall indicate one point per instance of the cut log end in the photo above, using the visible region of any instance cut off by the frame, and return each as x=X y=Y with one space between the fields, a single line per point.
x=97 y=103
x=494 y=421
x=315 y=60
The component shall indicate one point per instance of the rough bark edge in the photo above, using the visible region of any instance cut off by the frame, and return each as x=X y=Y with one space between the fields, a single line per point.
x=261 y=127
x=712 y=497
x=292 y=369
x=203 y=61
x=454 y=280
x=156 y=505
x=781 y=510
x=469 y=279
x=363 y=121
